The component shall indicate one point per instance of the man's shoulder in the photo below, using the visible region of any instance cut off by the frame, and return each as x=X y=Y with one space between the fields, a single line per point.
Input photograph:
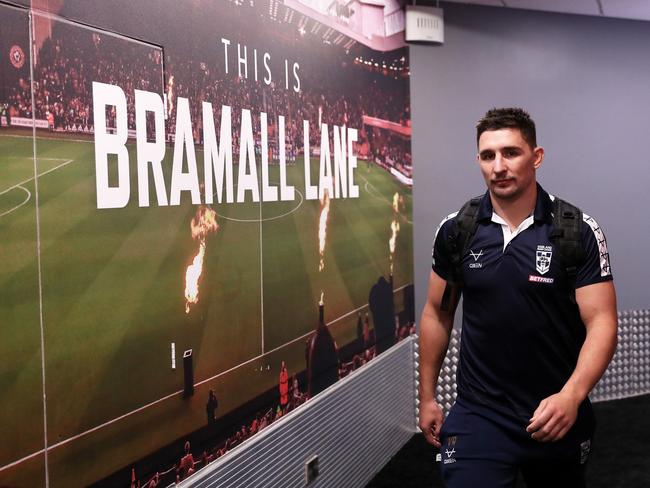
x=447 y=220
x=589 y=224
x=444 y=228
x=469 y=207
x=595 y=255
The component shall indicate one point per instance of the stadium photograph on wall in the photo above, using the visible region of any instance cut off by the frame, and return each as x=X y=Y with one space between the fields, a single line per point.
x=206 y=220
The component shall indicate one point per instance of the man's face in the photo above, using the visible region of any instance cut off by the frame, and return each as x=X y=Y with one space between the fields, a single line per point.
x=508 y=163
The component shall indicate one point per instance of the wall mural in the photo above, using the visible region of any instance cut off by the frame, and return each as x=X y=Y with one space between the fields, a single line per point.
x=205 y=220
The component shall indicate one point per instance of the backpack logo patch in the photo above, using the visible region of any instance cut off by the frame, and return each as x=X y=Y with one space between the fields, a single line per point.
x=543 y=259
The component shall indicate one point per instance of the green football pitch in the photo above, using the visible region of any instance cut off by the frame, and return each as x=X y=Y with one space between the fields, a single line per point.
x=108 y=303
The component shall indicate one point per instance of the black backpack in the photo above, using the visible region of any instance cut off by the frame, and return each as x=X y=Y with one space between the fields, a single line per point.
x=566 y=235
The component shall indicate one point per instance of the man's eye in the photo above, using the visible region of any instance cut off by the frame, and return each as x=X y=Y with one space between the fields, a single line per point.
x=487 y=156
x=511 y=153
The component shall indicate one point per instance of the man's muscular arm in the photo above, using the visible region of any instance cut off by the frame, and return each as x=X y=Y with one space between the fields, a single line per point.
x=557 y=413
x=435 y=328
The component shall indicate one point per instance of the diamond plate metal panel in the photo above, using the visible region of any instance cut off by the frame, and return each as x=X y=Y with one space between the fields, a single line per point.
x=446 y=392
x=629 y=372
x=627 y=375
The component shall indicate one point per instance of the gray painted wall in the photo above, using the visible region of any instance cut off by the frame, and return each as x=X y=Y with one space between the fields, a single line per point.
x=586 y=82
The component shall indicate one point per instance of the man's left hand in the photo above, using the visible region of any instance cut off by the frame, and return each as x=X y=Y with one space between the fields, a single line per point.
x=554 y=417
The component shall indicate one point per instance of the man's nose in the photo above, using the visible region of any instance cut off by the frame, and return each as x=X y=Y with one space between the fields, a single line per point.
x=499 y=164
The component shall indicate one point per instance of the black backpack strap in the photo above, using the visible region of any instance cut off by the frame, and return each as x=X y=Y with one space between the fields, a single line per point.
x=567 y=238
x=462 y=231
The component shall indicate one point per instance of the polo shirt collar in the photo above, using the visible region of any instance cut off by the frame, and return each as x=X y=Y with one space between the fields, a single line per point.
x=543 y=207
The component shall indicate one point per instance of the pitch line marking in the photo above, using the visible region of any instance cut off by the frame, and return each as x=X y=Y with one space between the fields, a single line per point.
x=62 y=139
x=38 y=260
x=379 y=196
x=176 y=393
x=29 y=195
x=374 y=193
x=302 y=199
x=261 y=279
x=30 y=157
x=65 y=162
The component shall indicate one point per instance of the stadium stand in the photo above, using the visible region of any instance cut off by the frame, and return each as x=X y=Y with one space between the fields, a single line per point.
x=338 y=90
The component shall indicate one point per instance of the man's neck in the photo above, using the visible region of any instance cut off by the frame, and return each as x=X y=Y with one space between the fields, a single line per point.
x=514 y=212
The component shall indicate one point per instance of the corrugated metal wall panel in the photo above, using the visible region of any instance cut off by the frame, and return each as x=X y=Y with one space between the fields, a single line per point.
x=354 y=427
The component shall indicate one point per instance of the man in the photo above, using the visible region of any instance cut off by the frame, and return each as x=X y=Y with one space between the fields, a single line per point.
x=380 y=301
x=211 y=407
x=186 y=464
x=284 y=386
x=534 y=341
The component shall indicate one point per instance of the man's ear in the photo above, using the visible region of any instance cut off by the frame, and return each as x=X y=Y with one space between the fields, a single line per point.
x=539 y=156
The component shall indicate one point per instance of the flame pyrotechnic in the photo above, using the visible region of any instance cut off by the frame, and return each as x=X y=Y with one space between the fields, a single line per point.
x=396 y=201
x=322 y=228
x=203 y=223
x=170 y=95
x=192 y=276
x=394 y=227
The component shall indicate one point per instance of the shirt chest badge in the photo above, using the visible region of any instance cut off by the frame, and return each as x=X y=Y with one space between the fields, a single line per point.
x=543 y=257
x=476 y=256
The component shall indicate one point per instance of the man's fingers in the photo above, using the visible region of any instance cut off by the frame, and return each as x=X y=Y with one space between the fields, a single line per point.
x=540 y=408
x=552 y=419
x=539 y=420
x=534 y=421
x=433 y=427
x=435 y=441
x=548 y=432
x=431 y=438
x=431 y=419
x=562 y=433
x=555 y=434
x=553 y=430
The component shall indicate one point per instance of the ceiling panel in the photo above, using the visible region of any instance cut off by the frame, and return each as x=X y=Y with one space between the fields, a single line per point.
x=586 y=7
x=627 y=9
x=492 y=3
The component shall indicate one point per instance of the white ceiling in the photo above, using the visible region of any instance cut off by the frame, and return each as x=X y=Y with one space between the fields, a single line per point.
x=624 y=9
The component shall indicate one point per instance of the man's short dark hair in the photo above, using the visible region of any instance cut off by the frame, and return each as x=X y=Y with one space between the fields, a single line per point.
x=508 y=118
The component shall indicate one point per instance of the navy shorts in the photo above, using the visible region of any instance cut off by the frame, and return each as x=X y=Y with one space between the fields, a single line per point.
x=481 y=449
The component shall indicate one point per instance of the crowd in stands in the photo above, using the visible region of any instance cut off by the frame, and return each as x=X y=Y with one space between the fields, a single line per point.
x=290 y=397
x=340 y=99
x=392 y=151
x=67 y=64
x=188 y=463
x=18 y=102
x=333 y=89
x=367 y=343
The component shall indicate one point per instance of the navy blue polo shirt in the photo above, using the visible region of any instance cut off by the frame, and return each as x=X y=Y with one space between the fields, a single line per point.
x=522 y=333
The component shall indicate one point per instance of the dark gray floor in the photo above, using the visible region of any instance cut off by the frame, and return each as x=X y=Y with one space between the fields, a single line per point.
x=620 y=456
